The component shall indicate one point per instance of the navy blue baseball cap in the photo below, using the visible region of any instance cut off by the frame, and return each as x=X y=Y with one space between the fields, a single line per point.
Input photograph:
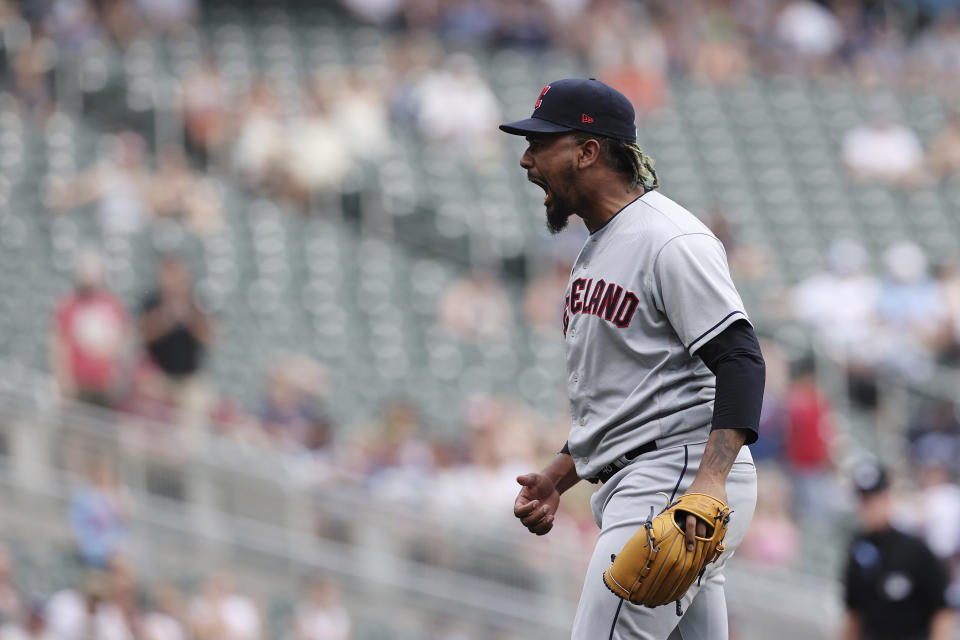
x=870 y=478
x=579 y=104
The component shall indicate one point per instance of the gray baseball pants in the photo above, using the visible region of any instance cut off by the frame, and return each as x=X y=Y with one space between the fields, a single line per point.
x=619 y=507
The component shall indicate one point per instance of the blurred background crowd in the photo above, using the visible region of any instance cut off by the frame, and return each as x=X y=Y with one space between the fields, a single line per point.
x=293 y=228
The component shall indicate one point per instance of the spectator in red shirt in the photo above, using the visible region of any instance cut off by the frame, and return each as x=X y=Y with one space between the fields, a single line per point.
x=89 y=337
x=807 y=444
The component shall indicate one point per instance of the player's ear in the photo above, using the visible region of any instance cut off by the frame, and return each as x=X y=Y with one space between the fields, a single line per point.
x=588 y=154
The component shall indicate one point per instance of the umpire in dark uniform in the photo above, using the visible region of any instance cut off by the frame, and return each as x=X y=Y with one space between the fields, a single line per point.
x=894 y=587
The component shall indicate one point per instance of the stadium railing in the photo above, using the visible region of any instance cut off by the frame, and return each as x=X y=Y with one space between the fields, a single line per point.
x=260 y=514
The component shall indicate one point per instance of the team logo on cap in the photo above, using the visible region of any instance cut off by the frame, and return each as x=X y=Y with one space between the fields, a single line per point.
x=543 y=92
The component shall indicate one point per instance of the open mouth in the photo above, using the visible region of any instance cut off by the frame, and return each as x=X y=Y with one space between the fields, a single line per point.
x=542 y=185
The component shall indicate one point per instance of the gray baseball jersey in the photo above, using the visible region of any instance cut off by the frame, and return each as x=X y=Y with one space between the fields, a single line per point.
x=648 y=289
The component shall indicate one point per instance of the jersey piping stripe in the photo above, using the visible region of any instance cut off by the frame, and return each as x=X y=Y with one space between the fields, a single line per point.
x=615 y=617
x=698 y=339
x=686 y=458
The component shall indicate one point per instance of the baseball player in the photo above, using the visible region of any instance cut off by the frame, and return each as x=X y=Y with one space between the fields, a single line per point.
x=665 y=375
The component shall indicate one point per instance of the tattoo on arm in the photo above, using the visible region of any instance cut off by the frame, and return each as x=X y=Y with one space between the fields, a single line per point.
x=722 y=450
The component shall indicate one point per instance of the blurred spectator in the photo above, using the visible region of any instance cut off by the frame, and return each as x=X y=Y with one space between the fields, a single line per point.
x=883 y=150
x=456 y=107
x=166 y=618
x=72 y=25
x=815 y=301
x=376 y=11
x=321 y=615
x=176 y=333
x=467 y=23
x=125 y=589
x=88 y=613
x=935 y=437
x=938 y=49
x=644 y=84
x=523 y=25
x=628 y=51
x=97 y=514
x=122 y=22
x=394 y=453
x=219 y=612
x=11 y=606
x=773 y=538
x=118 y=184
x=476 y=308
x=89 y=337
x=291 y=414
x=747 y=261
x=948 y=282
x=943 y=157
x=167 y=16
x=911 y=310
x=32 y=68
x=543 y=299
x=810 y=33
x=360 y=110
x=879 y=54
x=258 y=145
x=807 y=446
x=177 y=192
x=317 y=155
x=229 y=419
x=680 y=26
x=31 y=626
x=410 y=61
x=149 y=397
x=203 y=106
x=500 y=446
x=773 y=413
x=720 y=57
x=938 y=520
x=894 y=586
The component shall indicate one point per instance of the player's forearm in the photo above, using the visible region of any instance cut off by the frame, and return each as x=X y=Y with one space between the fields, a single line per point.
x=722 y=449
x=562 y=472
x=943 y=625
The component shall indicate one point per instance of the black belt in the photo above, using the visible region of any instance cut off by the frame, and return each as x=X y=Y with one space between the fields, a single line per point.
x=608 y=471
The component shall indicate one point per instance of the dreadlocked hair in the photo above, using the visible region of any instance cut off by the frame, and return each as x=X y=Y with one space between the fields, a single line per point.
x=626 y=158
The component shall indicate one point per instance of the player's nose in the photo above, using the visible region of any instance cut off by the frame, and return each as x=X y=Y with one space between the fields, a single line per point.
x=526 y=160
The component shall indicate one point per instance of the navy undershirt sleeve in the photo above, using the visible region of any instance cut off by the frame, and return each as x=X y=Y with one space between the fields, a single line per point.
x=734 y=358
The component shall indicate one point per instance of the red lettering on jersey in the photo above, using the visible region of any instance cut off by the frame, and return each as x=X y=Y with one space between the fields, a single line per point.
x=627 y=308
x=605 y=300
x=609 y=303
x=543 y=92
x=585 y=118
x=595 y=298
x=576 y=304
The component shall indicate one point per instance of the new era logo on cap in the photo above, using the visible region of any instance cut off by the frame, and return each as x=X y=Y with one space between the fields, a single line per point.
x=579 y=104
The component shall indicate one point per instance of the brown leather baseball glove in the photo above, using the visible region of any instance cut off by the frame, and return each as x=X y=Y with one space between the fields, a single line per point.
x=654 y=567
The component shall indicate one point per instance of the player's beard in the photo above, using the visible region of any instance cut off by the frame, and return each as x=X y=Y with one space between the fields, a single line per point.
x=559 y=209
x=557 y=218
